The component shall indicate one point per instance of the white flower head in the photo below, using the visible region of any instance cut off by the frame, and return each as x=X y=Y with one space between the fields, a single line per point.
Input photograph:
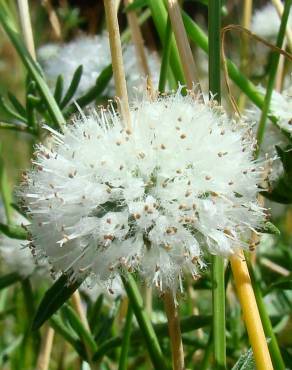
x=93 y=53
x=266 y=22
x=102 y=200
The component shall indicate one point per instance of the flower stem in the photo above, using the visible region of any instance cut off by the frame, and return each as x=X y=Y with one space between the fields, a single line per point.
x=174 y=331
x=280 y=10
x=159 y=15
x=182 y=42
x=117 y=60
x=76 y=301
x=272 y=76
x=218 y=304
x=165 y=58
x=273 y=345
x=218 y=286
x=43 y=360
x=245 y=51
x=146 y=327
x=26 y=28
x=251 y=314
x=126 y=340
x=138 y=42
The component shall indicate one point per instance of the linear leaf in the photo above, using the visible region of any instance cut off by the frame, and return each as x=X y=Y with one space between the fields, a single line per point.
x=54 y=298
x=73 y=86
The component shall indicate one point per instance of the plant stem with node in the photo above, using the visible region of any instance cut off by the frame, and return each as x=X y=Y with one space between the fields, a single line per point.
x=218 y=285
x=117 y=61
x=26 y=27
x=251 y=314
x=43 y=360
x=174 y=331
x=246 y=20
x=183 y=45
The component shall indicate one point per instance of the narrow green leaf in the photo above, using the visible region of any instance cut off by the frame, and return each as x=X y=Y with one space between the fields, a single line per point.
x=58 y=93
x=79 y=328
x=123 y=362
x=11 y=112
x=73 y=86
x=101 y=83
x=106 y=347
x=58 y=325
x=9 y=279
x=13 y=231
x=94 y=313
x=7 y=125
x=54 y=298
x=17 y=105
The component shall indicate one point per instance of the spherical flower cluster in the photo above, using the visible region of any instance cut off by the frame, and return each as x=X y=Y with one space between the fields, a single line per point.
x=102 y=200
x=266 y=22
x=93 y=53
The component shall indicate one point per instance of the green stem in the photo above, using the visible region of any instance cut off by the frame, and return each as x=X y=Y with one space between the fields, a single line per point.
x=159 y=15
x=266 y=322
x=31 y=66
x=30 y=309
x=165 y=58
x=214 y=26
x=218 y=300
x=218 y=286
x=5 y=191
x=126 y=340
x=145 y=325
x=272 y=76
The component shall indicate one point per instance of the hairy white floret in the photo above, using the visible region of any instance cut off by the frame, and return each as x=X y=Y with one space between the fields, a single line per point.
x=184 y=181
x=111 y=290
x=93 y=53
